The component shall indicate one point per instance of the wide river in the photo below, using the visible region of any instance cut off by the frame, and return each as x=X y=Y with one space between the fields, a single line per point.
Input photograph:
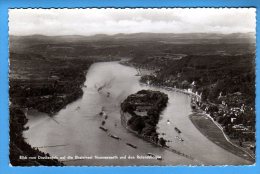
x=74 y=131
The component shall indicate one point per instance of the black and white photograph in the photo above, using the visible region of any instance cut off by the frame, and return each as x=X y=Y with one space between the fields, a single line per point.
x=132 y=86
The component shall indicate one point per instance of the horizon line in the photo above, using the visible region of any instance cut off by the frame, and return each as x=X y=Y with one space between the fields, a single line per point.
x=38 y=34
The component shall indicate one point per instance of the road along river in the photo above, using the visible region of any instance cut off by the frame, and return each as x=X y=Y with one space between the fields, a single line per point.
x=75 y=132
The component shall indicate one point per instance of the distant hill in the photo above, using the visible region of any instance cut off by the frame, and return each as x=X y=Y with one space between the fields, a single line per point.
x=131 y=45
x=169 y=37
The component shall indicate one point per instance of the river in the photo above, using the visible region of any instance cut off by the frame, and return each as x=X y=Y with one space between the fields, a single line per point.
x=74 y=131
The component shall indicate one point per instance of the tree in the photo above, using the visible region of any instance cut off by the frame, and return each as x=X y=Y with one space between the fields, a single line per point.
x=136 y=123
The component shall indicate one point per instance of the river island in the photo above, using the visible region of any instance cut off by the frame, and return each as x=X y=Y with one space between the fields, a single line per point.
x=140 y=113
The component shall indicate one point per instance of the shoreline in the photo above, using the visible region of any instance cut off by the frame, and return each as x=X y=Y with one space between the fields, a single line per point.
x=46 y=95
x=218 y=136
x=150 y=141
x=205 y=132
x=202 y=122
x=147 y=132
x=20 y=148
x=216 y=124
x=174 y=89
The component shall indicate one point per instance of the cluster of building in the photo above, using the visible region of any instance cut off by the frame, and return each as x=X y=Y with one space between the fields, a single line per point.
x=232 y=119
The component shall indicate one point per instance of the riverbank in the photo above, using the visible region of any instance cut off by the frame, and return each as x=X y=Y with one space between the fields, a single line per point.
x=210 y=130
x=47 y=88
x=140 y=114
x=154 y=80
x=21 y=153
x=144 y=110
x=148 y=138
x=208 y=126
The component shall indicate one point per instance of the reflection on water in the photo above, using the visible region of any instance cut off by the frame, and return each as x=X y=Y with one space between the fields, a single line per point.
x=74 y=131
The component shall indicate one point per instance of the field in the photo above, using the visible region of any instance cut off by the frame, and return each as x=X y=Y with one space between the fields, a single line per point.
x=213 y=133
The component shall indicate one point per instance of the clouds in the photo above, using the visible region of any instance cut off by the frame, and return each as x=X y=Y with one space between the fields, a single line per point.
x=113 y=21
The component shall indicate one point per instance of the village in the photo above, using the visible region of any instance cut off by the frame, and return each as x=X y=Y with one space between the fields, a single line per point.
x=231 y=119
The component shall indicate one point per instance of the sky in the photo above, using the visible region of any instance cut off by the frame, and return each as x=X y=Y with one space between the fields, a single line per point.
x=54 y=22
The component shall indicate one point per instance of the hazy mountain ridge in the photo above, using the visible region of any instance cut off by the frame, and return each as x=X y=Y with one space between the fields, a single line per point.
x=238 y=37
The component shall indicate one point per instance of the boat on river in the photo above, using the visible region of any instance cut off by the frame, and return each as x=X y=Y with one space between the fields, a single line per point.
x=102 y=113
x=179 y=138
x=102 y=128
x=131 y=145
x=114 y=136
x=177 y=130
